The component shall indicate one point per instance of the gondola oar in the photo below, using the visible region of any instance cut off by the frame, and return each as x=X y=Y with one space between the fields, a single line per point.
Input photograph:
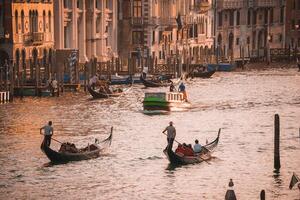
x=197 y=156
x=56 y=140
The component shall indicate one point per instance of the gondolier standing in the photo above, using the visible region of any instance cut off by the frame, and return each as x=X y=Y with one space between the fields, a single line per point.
x=48 y=132
x=171 y=134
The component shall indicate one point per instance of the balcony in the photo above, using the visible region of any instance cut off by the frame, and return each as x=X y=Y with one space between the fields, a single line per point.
x=202 y=6
x=264 y=3
x=137 y=21
x=170 y=21
x=231 y=4
x=34 y=38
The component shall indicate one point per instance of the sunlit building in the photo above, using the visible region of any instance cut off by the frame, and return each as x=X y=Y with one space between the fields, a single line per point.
x=27 y=37
x=87 y=25
x=248 y=28
x=292 y=22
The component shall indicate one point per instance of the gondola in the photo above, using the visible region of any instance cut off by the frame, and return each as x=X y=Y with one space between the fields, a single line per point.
x=205 y=154
x=156 y=83
x=99 y=95
x=92 y=151
x=205 y=74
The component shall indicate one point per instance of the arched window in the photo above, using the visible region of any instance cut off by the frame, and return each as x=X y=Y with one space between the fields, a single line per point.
x=22 y=21
x=44 y=21
x=36 y=22
x=17 y=21
x=238 y=18
x=49 y=21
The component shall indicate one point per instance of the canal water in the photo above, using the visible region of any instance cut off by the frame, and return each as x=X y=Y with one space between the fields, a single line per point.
x=243 y=104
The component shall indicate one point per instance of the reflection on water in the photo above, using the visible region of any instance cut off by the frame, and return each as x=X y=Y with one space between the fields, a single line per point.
x=242 y=104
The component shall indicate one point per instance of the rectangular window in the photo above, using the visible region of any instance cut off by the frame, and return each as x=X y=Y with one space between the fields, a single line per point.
x=298 y=4
x=220 y=19
x=271 y=16
x=137 y=8
x=254 y=17
x=249 y=17
x=137 y=37
x=238 y=18
x=281 y=14
x=266 y=16
x=153 y=37
x=237 y=41
x=293 y=24
x=231 y=18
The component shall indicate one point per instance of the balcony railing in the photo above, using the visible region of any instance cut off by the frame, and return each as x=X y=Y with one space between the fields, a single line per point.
x=136 y=20
x=33 y=38
x=264 y=3
x=163 y=21
x=202 y=6
x=231 y=4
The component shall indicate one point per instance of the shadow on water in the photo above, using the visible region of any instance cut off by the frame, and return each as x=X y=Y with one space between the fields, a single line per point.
x=173 y=167
x=277 y=178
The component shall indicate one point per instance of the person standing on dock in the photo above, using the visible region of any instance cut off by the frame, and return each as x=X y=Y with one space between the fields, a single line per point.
x=48 y=132
x=171 y=134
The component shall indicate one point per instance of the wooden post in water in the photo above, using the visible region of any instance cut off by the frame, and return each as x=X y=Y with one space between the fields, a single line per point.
x=262 y=195
x=230 y=194
x=276 y=143
x=85 y=75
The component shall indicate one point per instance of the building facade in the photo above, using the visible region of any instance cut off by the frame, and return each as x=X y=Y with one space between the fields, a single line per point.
x=249 y=28
x=89 y=26
x=292 y=24
x=149 y=28
x=26 y=37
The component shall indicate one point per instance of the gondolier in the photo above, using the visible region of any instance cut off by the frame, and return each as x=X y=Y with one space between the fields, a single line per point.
x=48 y=132
x=171 y=134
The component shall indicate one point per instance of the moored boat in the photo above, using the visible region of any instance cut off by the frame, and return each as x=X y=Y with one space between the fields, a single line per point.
x=91 y=151
x=225 y=67
x=165 y=101
x=204 y=74
x=204 y=155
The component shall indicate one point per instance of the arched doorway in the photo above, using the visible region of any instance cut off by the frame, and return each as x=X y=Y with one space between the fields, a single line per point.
x=45 y=67
x=17 y=65
x=4 y=59
x=230 y=45
x=33 y=67
x=23 y=60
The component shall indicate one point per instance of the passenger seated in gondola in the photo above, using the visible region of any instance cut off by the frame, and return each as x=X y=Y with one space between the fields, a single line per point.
x=184 y=150
x=197 y=147
x=68 y=148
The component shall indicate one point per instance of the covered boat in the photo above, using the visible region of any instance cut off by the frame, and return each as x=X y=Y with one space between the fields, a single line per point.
x=91 y=151
x=167 y=101
x=204 y=155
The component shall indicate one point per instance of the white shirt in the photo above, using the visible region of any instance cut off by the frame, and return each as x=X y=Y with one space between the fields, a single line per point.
x=171 y=131
x=197 y=148
x=48 y=130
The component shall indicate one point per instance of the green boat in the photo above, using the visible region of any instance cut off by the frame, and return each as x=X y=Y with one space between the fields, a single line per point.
x=166 y=101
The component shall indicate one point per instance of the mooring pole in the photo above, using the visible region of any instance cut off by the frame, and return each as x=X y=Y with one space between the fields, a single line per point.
x=276 y=143
x=262 y=195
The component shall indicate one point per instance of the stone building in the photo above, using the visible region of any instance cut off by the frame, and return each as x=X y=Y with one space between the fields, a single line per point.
x=249 y=28
x=87 y=25
x=153 y=30
x=26 y=37
x=134 y=29
x=292 y=24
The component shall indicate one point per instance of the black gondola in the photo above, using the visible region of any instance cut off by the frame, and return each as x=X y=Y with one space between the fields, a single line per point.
x=92 y=151
x=99 y=95
x=155 y=83
x=197 y=158
x=205 y=74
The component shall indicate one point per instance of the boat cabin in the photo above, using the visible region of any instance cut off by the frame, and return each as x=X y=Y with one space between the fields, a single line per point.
x=167 y=96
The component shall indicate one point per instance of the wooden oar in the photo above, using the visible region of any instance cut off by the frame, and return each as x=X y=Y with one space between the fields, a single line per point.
x=56 y=140
x=197 y=156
